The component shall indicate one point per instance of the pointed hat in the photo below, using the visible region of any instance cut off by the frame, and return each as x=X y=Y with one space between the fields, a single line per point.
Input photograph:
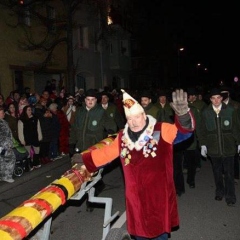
x=130 y=105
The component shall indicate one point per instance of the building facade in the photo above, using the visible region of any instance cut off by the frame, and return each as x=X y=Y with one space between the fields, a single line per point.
x=34 y=49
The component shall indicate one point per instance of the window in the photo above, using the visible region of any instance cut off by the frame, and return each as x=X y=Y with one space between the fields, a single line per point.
x=83 y=41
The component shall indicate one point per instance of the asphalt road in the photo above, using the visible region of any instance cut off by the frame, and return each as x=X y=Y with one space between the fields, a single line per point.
x=201 y=217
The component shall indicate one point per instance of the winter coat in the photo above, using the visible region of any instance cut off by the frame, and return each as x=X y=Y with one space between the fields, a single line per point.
x=13 y=124
x=153 y=111
x=89 y=127
x=7 y=156
x=151 y=204
x=29 y=131
x=47 y=128
x=220 y=134
x=113 y=113
x=166 y=113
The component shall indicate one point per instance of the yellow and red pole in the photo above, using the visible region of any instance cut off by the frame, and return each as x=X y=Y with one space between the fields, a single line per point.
x=17 y=224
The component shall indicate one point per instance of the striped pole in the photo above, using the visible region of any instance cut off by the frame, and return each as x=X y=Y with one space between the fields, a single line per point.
x=17 y=224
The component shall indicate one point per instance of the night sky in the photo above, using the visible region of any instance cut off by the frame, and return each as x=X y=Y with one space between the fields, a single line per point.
x=209 y=32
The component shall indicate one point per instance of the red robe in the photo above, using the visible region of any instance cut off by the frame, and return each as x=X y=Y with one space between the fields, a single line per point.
x=151 y=203
x=64 y=132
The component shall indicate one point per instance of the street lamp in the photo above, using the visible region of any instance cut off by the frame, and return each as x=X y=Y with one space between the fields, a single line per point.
x=179 y=72
x=198 y=66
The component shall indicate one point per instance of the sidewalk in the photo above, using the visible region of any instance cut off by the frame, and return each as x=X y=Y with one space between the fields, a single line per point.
x=4 y=186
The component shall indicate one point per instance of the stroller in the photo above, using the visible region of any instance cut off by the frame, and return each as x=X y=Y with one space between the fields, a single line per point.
x=21 y=158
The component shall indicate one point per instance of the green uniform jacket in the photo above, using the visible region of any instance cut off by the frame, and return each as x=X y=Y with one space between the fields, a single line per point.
x=166 y=113
x=199 y=104
x=113 y=113
x=90 y=127
x=219 y=134
x=153 y=111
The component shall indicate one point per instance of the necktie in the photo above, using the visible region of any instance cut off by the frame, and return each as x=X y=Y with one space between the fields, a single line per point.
x=217 y=111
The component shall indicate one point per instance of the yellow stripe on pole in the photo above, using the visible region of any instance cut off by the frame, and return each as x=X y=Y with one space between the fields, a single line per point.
x=29 y=213
x=51 y=198
x=5 y=235
x=67 y=184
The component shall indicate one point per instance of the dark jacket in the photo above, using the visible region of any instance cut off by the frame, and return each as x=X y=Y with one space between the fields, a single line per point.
x=47 y=128
x=13 y=124
x=153 y=111
x=113 y=113
x=220 y=134
x=89 y=127
x=166 y=113
x=30 y=131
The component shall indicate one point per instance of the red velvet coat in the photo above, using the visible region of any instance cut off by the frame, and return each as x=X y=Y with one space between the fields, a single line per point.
x=151 y=203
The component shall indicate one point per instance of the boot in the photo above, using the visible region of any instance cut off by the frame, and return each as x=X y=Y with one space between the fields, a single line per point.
x=36 y=161
x=28 y=165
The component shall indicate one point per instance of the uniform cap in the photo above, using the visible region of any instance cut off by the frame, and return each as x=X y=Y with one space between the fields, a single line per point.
x=91 y=93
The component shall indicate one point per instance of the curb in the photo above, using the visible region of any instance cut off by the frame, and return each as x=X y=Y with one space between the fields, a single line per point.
x=4 y=186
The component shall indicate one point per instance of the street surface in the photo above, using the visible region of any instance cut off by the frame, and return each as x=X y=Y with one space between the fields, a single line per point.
x=201 y=217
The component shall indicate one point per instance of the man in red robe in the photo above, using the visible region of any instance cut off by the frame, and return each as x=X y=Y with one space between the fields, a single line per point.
x=145 y=147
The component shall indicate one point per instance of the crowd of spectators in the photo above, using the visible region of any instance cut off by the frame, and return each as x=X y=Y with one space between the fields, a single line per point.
x=42 y=122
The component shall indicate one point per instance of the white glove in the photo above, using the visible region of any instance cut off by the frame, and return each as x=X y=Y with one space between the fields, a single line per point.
x=239 y=149
x=204 y=151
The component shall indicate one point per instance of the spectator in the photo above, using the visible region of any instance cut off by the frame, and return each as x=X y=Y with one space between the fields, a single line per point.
x=7 y=156
x=46 y=95
x=23 y=101
x=40 y=107
x=117 y=100
x=2 y=103
x=61 y=99
x=54 y=144
x=13 y=97
x=70 y=109
x=166 y=113
x=63 y=140
x=80 y=96
x=149 y=108
x=27 y=92
x=11 y=117
x=46 y=123
x=30 y=135
x=112 y=110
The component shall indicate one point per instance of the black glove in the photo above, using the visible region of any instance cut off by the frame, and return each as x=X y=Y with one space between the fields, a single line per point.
x=71 y=149
x=110 y=132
